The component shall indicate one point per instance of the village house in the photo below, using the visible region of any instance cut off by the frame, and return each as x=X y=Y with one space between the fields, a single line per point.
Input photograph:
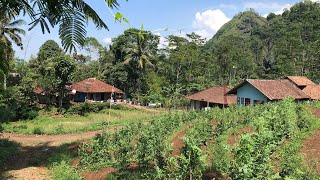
x=212 y=97
x=45 y=97
x=94 y=90
x=307 y=86
x=254 y=91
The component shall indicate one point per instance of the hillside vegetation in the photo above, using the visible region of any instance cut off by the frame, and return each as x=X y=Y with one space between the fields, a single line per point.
x=239 y=143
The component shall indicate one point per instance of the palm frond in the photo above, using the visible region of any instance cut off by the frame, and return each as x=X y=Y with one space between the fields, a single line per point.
x=128 y=58
x=16 y=39
x=72 y=30
x=89 y=13
x=18 y=22
x=15 y=30
x=13 y=8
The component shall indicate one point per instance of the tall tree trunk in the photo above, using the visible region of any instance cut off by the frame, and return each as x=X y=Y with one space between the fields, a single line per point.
x=60 y=98
x=4 y=81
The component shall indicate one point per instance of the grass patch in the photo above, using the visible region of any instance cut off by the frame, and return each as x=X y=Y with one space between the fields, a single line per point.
x=63 y=171
x=59 y=163
x=45 y=124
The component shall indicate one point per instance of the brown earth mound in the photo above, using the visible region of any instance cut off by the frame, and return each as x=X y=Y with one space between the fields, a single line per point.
x=99 y=175
x=311 y=151
x=177 y=143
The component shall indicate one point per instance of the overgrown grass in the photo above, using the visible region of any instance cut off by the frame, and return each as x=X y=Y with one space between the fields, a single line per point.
x=46 y=124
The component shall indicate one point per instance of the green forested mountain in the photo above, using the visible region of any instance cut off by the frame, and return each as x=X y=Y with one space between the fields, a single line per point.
x=251 y=46
x=242 y=26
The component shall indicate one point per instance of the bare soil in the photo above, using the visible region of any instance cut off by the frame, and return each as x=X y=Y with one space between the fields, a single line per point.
x=98 y=175
x=177 y=142
x=28 y=163
x=209 y=175
x=311 y=151
x=31 y=158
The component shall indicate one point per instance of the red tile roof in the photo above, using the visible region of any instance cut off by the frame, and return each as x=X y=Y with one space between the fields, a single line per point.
x=38 y=91
x=300 y=80
x=214 y=94
x=93 y=85
x=312 y=90
x=274 y=89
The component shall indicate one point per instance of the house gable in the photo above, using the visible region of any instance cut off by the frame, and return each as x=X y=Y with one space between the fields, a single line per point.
x=247 y=91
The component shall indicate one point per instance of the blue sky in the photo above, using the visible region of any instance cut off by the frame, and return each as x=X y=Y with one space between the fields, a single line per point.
x=204 y=17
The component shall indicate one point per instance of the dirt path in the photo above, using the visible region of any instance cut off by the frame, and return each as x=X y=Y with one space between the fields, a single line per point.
x=30 y=161
x=144 y=108
x=50 y=140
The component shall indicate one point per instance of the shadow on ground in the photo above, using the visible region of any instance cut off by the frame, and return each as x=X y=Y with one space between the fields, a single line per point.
x=25 y=157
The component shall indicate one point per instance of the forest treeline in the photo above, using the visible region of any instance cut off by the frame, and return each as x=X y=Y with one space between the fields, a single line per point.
x=248 y=46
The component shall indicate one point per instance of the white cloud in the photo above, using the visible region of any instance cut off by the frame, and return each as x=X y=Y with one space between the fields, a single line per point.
x=280 y=10
x=287 y=6
x=163 y=41
x=107 y=41
x=207 y=23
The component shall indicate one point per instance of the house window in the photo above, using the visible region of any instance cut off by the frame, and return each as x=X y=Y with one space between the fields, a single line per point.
x=242 y=101
x=247 y=102
x=238 y=100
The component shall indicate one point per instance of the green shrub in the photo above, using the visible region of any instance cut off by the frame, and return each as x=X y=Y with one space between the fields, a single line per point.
x=84 y=108
x=29 y=113
x=252 y=156
x=37 y=131
x=221 y=161
x=15 y=105
x=63 y=171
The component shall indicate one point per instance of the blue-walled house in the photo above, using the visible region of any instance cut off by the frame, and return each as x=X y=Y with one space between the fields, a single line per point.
x=253 y=91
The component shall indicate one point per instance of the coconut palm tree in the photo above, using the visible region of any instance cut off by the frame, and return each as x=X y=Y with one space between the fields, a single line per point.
x=9 y=33
x=139 y=51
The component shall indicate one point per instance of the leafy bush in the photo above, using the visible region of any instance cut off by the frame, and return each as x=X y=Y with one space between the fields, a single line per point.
x=221 y=161
x=191 y=161
x=37 y=131
x=63 y=171
x=15 y=105
x=84 y=108
x=252 y=156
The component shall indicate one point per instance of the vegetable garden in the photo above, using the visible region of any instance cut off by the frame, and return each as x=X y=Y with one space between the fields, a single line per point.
x=270 y=149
